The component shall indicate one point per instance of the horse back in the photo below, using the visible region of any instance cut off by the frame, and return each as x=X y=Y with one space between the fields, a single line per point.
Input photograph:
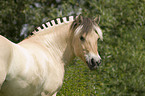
x=17 y=70
x=5 y=57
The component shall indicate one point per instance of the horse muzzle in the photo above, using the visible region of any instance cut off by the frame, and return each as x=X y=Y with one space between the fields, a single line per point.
x=93 y=64
x=93 y=61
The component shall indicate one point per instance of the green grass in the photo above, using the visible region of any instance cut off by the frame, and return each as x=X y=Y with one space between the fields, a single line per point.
x=79 y=80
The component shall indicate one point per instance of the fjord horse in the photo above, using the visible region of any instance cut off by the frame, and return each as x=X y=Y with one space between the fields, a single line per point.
x=35 y=66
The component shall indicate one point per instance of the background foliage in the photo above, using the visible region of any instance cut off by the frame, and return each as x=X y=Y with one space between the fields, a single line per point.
x=122 y=72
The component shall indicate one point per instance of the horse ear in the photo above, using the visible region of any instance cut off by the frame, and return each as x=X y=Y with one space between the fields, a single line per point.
x=97 y=19
x=79 y=19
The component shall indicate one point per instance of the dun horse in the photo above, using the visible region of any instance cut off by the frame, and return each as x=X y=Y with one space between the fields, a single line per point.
x=35 y=66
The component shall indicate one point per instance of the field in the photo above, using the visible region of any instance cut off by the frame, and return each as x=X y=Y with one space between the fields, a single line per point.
x=122 y=50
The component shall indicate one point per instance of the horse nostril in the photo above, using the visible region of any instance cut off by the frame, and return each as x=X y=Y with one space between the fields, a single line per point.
x=93 y=62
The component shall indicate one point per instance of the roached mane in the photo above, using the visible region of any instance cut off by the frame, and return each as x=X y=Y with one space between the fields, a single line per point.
x=56 y=22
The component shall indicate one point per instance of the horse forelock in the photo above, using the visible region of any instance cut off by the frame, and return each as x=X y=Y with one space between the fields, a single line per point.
x=85 y=26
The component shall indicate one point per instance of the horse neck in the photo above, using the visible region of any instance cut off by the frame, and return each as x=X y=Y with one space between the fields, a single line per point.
x=57 y=40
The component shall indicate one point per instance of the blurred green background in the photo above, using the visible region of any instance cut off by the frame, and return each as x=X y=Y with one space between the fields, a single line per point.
x=122 y=72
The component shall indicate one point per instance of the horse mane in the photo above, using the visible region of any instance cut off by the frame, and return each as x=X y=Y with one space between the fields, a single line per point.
x=55 y=22
x=51 y=24
x=85 y=24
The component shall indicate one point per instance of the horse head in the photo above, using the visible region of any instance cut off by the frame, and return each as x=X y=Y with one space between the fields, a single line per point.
x=84 y=42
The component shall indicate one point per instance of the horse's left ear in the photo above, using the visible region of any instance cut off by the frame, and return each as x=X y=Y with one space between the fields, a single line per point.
x=97 y=19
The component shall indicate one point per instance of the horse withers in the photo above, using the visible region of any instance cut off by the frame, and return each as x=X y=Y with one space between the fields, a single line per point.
x=35 y=66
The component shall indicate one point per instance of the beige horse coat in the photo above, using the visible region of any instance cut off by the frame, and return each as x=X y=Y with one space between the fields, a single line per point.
x=35 y=66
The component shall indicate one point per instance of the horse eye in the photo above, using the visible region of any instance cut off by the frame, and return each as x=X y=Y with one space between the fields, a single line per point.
x=82 y=38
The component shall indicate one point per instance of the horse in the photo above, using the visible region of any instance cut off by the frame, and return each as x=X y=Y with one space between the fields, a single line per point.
x=35 y=66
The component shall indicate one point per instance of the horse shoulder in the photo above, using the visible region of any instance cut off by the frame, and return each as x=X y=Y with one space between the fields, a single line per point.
x=22 y=62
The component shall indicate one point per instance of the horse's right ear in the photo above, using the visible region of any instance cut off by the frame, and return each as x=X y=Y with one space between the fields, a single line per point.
x=79 y=19
x=97 y=19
